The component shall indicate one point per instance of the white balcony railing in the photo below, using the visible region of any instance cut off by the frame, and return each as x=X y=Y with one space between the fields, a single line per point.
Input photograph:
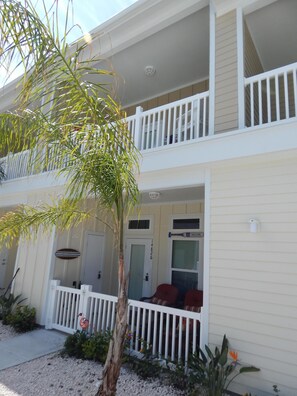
x=271 y=96
x=177 y=122
x=171 y=334
x=182 y=121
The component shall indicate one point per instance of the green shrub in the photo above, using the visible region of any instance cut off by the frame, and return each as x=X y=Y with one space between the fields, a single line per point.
x=96 y=346
x=23 y=319
x=73 y=345
x=146 y=366
x=7 y=305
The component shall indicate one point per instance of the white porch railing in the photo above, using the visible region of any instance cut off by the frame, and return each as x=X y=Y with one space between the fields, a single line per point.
x=178 y=122
x=172 y=334
x=271 y=96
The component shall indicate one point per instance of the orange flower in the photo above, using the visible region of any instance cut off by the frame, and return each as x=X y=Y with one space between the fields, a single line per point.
x=234 y=355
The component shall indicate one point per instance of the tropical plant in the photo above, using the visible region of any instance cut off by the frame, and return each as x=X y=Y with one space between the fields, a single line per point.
x=68 y=118
x=83 y=345
x=214 y=371
x=96 y=346
x=7 y=304
x=23 y=319
x=2 y=172
x=74 y=343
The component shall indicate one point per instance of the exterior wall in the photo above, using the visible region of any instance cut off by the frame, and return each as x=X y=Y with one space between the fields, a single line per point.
x=226 y=103
x=32 y=280
x=252 y=66
x=162 y=215
x=12 y=253
x=182 y=93
x=34 y=259
x=252 y=62
x=253 y=276
x=69 y=271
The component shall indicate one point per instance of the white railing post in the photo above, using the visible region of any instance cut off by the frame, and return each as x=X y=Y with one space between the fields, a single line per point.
x=138 y=124
x=203 y=328
x=6 y=159
x=240 y=68
x=51 y=303
x=84 y=298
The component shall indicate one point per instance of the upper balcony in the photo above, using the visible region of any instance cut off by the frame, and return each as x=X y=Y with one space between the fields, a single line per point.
x=169 y=103
x=179 y=122
x=270 y=56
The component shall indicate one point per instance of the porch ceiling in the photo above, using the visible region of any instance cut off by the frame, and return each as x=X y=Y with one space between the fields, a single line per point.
x=175 y=195
x=274 y=31
x=179 y=53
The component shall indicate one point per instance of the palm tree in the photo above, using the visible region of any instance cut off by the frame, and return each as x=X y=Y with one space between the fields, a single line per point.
x=69 y=121
x=2 y=172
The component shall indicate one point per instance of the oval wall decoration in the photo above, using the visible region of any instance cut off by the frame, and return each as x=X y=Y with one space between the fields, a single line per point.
x=67 y=254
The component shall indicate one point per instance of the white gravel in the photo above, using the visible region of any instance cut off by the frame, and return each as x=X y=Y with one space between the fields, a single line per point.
x=5 y=333
x=59 y=376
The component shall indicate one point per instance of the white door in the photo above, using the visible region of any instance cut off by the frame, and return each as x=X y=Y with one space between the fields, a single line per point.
x=3 y=266
x=93 y=261
x=139 y=265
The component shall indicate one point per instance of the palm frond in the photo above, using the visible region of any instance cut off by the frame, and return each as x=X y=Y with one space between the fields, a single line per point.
x=27 y=220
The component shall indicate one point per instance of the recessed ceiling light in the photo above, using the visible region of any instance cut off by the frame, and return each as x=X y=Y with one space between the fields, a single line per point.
x=149 y=70
x=154 y=195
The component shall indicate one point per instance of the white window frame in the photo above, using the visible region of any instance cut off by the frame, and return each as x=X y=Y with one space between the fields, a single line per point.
x=139 y=232
x=199 y=270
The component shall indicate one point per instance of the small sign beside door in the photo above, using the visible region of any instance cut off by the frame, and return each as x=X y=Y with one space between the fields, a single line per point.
x=67 y=254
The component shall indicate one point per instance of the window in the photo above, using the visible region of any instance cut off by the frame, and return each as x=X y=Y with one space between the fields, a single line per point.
x=185 y=264
x=139 y=224
x=186 y=224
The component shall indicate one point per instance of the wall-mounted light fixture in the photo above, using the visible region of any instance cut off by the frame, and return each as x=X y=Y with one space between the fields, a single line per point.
x=254 y=225
x=154 y=195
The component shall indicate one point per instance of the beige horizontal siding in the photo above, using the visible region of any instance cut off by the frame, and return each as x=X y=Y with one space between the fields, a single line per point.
x=173 y=96
x=252 y=61
x=253 y=276
x=226 y=117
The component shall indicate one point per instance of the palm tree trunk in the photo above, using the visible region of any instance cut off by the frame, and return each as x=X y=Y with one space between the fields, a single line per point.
x=113 y=362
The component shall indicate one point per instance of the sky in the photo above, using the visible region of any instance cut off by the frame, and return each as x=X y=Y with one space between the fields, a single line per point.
x=88 y=14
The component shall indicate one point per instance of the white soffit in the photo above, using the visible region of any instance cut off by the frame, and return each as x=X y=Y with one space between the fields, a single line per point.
x=224 y=6
x=274 y=31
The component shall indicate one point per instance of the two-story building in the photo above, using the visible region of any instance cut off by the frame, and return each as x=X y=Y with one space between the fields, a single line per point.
x=210 y=91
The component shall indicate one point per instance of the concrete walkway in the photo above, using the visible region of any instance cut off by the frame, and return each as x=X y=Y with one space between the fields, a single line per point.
x=29 y=346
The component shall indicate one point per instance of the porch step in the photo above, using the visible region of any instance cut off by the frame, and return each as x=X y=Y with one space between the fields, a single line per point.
x=29 y=346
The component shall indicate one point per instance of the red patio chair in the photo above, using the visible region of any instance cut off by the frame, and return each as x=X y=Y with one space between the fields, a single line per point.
x=165 y=295
x=193 y=300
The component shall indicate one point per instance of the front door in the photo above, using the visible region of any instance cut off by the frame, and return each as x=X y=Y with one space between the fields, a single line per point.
x=139 y=265
x=3 y=266
x=93 y=261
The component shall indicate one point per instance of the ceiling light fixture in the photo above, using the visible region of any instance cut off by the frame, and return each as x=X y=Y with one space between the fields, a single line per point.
x=149 y=70
x=154 y=195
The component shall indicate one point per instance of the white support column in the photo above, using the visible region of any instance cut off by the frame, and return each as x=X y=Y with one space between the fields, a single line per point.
x=240 y=67
x=204 y=329
x=212 y=66
x=51 y=303
x=138 y=125
x=48 y=276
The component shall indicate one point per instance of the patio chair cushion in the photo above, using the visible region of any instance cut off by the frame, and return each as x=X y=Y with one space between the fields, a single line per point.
x=159 y=301
x=192 y=308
